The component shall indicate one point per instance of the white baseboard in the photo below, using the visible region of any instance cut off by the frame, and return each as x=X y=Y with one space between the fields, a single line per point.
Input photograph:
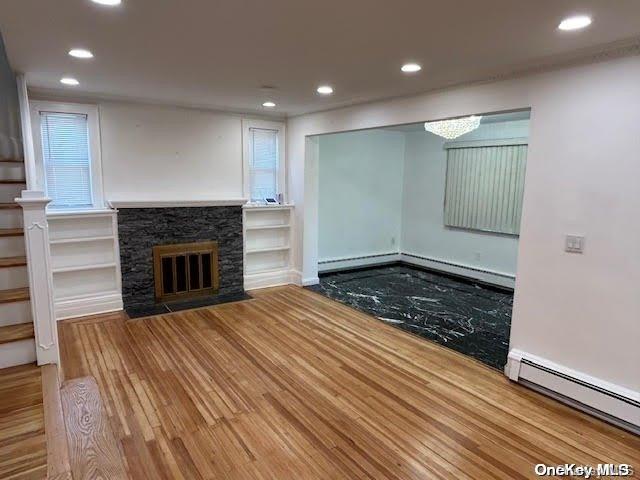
x=329 y=265
x=80 y=307
x=271 y=279
x=487 y=276
x=611 y=402
x=310 y=281
x=17 y=353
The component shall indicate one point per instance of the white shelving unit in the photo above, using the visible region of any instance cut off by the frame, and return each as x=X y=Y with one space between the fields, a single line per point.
x=267 y=245
x=85 y=261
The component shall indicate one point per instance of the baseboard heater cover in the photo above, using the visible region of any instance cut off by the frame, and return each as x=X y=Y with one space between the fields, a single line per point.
x=459 y=265
x=363 y=257
x=610 y=402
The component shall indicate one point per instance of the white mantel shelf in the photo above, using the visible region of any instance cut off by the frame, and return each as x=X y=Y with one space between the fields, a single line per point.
x=220 y=202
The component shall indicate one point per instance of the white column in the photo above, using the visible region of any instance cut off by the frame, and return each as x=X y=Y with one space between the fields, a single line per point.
x=36 y=234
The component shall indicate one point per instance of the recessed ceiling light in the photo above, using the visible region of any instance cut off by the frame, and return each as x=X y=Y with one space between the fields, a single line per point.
x=269 y=104
x=324 y=90
x=110 y=3
x=80 y=53
x=69 y=81
x=411 y=68
x=575 y=23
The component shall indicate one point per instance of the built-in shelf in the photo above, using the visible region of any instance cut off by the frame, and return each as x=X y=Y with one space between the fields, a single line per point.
x=267 y=227
x=81 y=240
x=267 y=207
x=81 y=268
x=53 y=213
x=268 y=249
x=267 y=236
x=85 y=261
x=85 y=296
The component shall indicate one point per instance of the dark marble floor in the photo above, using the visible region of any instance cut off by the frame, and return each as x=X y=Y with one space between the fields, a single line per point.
x=470 y=318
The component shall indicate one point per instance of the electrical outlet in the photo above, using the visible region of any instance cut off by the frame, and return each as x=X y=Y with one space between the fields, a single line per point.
x=477 y=256
x=393 y=241
x=574 y=244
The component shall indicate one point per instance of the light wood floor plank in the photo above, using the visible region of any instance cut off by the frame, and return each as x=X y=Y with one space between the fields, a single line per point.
x=23 y=452
x=294 y=385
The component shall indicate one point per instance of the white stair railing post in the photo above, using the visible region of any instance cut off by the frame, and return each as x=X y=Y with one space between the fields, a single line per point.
x=36 y=235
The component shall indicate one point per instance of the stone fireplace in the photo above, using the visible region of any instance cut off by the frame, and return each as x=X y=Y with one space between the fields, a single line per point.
x=142 y=229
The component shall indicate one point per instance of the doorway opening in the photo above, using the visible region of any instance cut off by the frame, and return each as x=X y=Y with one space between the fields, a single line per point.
x=419 y=225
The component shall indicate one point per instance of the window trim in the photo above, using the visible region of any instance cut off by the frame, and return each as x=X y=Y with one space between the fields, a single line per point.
x=247 y=125
x=93 y=123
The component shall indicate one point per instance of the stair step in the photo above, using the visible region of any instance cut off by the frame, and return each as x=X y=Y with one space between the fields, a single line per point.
x=13 y=182
x=14 y=295
x=11 y=232
x=93 y=448
x=9 y=206
x=7 y=262
x=11 y=160
x=15 y=333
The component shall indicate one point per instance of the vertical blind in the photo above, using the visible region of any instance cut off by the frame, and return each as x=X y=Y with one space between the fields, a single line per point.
x=484 y=188
x=67 y=163
x=263 y=168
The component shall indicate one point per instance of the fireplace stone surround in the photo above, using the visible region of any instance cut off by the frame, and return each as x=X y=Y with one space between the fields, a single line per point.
x=140 y=229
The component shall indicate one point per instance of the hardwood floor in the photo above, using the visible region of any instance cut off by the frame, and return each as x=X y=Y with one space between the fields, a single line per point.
x=292 y=385
x=23 y=451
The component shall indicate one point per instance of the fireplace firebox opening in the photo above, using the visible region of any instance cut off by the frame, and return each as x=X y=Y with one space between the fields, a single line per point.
x=185 y=270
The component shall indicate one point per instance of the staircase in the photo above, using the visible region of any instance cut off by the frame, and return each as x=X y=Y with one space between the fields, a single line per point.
x=17 y=345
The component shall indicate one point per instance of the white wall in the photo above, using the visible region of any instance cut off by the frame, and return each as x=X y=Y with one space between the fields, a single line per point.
x=166 y=153
x=580 y=311
x=360 y=199
x=10 y=137
x=423 y=230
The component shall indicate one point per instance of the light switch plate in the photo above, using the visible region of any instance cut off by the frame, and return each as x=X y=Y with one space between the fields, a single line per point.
x=574 y=244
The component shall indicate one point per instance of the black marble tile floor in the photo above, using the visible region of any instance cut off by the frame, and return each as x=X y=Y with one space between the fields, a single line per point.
x=162 y=308
x=470 y=318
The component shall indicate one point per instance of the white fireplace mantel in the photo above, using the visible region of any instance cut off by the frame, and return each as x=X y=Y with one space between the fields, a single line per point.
x=208 y=202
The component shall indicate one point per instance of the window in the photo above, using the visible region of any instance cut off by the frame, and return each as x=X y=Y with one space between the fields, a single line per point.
x=484 y=187
x=65 y=152
x=66 y=138
x=264 y=159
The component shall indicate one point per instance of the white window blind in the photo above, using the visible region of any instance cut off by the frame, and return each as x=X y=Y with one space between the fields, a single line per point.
x=484 y=188
x=263 y=165
x=67 y=162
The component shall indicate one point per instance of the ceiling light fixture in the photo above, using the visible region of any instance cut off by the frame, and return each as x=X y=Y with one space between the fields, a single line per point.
x=575 y=23
x=325 y=90
x=80 y=53
x=69 y=81
x=110 y=3
x=453 y=128
x=269 y=104
x=411 y=68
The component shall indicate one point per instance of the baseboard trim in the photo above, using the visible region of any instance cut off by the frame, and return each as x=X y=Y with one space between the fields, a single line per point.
x=306 y=282
x=270 y=279
x=80 y=307
x=488 y=276
x=613 y=403
x=484 y=275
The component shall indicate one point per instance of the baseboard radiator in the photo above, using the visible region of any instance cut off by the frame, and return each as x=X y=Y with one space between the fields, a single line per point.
x=333 y=264
x=610 y=402
x=483 y=275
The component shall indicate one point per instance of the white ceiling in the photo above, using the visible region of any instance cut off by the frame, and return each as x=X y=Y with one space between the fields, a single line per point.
x=217 y=54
